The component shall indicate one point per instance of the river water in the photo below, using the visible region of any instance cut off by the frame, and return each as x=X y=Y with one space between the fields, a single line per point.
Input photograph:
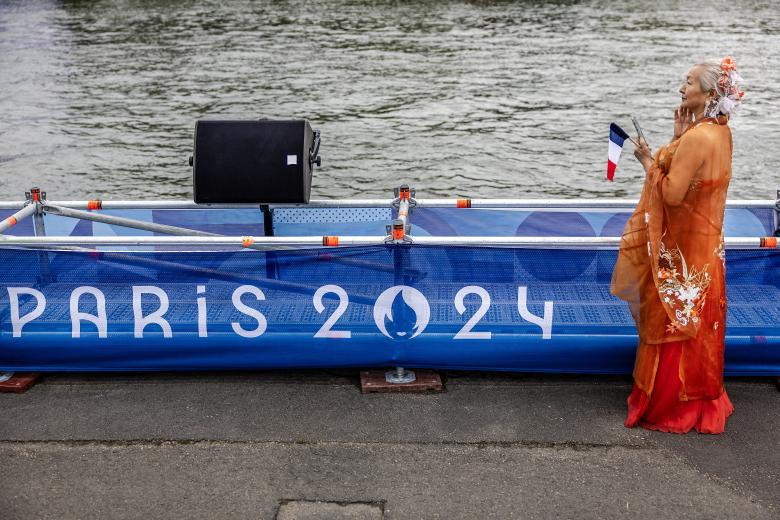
x=480 y=99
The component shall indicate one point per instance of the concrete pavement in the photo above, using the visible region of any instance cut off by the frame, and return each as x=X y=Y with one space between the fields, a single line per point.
x=258 y=445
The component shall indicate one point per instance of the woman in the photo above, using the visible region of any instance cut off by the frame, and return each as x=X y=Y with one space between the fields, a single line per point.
x=671 y=264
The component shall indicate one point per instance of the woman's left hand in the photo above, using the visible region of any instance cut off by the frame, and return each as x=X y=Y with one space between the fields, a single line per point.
x=643 y=154
x=683 y=117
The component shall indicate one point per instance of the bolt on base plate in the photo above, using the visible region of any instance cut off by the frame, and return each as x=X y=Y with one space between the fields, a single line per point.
x=400 y=376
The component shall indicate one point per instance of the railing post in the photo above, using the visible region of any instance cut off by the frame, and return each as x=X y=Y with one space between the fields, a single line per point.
x=398 y=234
x=36 y=197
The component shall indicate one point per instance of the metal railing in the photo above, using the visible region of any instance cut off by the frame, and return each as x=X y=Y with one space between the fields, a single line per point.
x=398 y=232
x=344 y=241
x=380 y=203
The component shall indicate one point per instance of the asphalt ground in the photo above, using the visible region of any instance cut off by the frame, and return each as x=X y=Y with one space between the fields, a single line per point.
x=308 y=444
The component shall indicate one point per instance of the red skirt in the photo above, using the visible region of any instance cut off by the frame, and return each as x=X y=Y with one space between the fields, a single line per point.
x=663 y=410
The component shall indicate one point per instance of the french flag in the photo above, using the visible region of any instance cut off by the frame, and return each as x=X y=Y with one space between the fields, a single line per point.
x=616 y=138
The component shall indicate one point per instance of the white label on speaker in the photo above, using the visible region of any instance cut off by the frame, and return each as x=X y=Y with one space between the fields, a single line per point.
x=292 y=160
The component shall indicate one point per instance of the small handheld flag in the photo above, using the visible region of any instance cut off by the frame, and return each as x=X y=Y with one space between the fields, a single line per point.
x=616 y=138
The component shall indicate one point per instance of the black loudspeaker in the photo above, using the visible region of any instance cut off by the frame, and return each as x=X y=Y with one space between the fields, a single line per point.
x=265 y=161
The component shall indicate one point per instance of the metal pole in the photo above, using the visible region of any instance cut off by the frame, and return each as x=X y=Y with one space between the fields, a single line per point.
x=14 y=219
x=184 y=204
x=272 y=268
x=582 y=204
x=317 y=241
x=125 y=259
x=271 y=263
x=218 y=274
x=404 y=202
x=36 y=197
x=178 y=241
x=125 y=222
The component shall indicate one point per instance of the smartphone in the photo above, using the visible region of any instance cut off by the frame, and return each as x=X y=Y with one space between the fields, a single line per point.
x=639 y=131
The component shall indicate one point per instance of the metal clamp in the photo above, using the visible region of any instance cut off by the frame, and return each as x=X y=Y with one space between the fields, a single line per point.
x=404 y=193
x=398 y=233
x=398 y=230
x=35 y=196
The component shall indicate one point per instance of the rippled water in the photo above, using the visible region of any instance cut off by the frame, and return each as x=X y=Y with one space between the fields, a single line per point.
x=488 y=99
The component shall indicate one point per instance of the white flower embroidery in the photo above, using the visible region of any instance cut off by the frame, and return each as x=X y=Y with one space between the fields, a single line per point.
x=687 y=288
x=688 y=294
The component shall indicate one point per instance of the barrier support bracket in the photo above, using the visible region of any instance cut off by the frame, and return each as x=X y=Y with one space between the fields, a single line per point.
x=398 y=233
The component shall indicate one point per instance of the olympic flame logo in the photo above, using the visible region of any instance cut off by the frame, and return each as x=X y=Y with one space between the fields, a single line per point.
x=401 y=312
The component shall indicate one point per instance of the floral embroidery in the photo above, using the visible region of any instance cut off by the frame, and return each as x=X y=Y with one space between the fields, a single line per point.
x=682 y=291
x=722 y=302
x=694 y=185
x=672 y=327
x=716 y=325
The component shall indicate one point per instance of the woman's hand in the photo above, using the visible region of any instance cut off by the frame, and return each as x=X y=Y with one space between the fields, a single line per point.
x=683 y=117
x=643 y=155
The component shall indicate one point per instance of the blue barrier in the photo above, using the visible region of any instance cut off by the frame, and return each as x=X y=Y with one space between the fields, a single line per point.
x=464 y=307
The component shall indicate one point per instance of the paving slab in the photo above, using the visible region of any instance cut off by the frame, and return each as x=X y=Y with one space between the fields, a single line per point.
x=318 y=510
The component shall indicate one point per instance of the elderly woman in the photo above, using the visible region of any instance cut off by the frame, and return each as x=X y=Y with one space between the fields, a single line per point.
x=671 y=264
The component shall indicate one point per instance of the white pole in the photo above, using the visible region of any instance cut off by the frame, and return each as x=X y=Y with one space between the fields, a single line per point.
x=317 y=241
x=125 y=222
x=173 y=241
x=582 y=204
x=22 y=214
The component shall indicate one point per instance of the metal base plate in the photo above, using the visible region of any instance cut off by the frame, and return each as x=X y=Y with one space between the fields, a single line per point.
x=375 y=381
x=19 y=382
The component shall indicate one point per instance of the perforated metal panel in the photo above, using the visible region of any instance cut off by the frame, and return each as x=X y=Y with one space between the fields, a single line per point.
x=320 y=215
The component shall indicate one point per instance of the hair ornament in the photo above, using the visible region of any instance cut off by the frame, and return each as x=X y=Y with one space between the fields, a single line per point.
x=730 y=95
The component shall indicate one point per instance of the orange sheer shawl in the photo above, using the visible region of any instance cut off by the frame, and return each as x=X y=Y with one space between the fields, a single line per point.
x=671 y=264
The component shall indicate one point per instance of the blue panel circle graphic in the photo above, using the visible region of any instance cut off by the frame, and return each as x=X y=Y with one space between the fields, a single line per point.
x=569 y=264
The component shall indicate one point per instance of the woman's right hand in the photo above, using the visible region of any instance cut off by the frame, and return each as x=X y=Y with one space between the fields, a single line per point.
x=643 y=154
x=682 y=120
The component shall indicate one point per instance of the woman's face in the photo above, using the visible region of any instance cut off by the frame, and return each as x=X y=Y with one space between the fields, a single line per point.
x=692 y=96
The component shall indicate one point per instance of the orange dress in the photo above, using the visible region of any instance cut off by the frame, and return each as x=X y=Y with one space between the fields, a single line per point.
x=671 y=271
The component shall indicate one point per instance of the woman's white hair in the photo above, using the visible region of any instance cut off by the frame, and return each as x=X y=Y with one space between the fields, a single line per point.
x=710 y=73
